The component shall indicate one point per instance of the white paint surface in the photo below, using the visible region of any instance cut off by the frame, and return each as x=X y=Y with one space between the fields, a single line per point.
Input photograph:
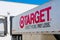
x=54 y=23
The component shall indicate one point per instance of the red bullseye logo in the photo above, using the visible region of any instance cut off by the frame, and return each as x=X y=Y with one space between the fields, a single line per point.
x=35 y=17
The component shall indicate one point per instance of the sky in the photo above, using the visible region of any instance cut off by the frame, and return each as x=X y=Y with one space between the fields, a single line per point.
x=36 y=2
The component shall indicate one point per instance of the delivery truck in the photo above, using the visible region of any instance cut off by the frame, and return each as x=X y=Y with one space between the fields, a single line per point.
x=43 y=19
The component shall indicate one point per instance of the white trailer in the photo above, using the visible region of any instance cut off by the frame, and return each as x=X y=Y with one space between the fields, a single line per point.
x=43 y=19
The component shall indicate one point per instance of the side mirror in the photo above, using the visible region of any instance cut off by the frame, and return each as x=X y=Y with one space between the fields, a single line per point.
x=3 y=26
